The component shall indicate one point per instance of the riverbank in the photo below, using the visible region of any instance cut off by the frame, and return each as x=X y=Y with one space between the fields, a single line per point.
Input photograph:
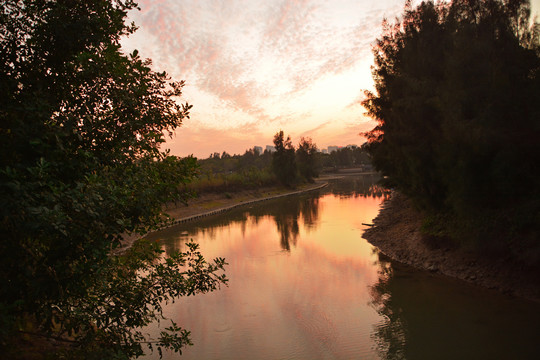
x=214 y=203
x=396 y=232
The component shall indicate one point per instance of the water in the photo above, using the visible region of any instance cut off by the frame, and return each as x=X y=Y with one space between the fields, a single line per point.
x=304 y=284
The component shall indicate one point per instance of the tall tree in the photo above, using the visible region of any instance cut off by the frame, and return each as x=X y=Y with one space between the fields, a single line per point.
x=81 y=166
x=283 y=161
x=456 y=103
x=307 y=159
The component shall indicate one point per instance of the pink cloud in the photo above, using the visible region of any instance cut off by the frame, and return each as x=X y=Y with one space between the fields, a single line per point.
x=236 y=53
x=314 y=46
x=345 y=136
x=202 y=55
x=315 y=131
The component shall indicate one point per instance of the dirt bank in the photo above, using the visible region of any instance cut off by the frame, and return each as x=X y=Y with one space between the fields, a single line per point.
x=396 y=232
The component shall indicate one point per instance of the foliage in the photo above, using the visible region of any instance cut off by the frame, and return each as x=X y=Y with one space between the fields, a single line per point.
x=81 y=126
x=347 y=157
x=101 y=323
x=307 y=159
x=234 y=173
x=251 y=178
x=284 y=161
x=456 y=102
x=253 y=170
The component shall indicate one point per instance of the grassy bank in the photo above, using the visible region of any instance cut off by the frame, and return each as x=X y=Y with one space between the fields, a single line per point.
x=210 y=182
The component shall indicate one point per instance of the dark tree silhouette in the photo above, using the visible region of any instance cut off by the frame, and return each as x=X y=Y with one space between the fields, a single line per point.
x=80 y=128
x=457 y=88
x=284 y=161
x=307 y=159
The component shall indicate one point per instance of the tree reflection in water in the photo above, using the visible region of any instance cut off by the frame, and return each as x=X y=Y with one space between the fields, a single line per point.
x=422 y=316
x=288 y=213
x=390 y=334
x=431 y=317
x=359 y=186
x=309 y=208
x=287 y=217
x=287 y=226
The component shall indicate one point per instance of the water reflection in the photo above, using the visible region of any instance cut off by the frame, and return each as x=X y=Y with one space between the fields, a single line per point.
x=431 y=317
x=287 y=213
x=390 y=334
x=287 y=226
x=359 y=186
x=305 y=285
x=287 y=218
x=298 y=272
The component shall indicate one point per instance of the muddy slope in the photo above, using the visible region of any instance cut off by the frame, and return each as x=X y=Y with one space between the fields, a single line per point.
x=396 y=232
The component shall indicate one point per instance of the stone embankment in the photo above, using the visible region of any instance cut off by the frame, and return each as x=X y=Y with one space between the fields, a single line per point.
x=396 y=232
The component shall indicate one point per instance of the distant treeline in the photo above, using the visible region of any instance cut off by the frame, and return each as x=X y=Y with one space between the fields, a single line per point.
x=347 y=157
x=287 y=166
x=457 y=104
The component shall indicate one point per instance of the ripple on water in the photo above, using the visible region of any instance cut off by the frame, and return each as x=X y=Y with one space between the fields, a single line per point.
x=222 y=327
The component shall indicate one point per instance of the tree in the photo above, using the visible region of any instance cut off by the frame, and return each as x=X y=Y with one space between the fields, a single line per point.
x=458 y=118
x=283 y=161
x=406 y=105
x=307 y=159
x=225 y=155
x=81 y=167
x=361 y=156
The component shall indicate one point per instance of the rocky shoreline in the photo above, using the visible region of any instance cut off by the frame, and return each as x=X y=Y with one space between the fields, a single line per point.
x=396 y=232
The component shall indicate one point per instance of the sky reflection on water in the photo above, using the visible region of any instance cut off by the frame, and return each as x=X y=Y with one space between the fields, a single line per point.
x=305 y=285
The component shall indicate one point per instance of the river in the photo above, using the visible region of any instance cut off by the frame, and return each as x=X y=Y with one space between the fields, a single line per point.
x=304 y=284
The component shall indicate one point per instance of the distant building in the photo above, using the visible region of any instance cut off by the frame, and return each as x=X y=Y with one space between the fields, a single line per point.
x=331 y=149
x=270 y=148
x=258 y=149
x=352 y=147
x=324 y=151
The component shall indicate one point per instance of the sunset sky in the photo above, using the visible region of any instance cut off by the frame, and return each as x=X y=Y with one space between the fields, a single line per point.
x=254 y=67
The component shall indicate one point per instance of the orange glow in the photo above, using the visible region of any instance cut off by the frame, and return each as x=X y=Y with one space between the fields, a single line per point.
x=264 y=65
x=307 y=286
